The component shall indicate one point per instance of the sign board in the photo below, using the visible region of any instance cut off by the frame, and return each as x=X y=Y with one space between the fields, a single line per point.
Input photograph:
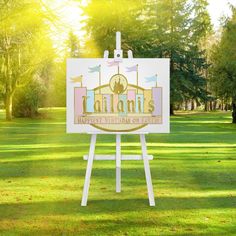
x=106 y=96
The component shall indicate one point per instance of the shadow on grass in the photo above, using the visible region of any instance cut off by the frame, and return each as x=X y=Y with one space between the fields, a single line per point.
x=127 y=227
x=108 y=206
x=190 y=175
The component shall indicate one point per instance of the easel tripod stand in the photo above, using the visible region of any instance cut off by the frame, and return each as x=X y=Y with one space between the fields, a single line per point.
x=118 y=157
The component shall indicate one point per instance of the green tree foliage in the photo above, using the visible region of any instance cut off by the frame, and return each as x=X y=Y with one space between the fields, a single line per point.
x=107 y=17
x=223 y=72
x=73 y=45
x=24 y=45
x=57 y=91
x=29 y=98
x=35 y=92
x=201 y=23
x=171 y=28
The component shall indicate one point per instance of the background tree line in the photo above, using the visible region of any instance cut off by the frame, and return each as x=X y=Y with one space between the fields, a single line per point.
x=203 y=67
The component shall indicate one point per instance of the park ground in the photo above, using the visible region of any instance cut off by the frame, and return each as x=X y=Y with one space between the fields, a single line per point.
x=194 y=179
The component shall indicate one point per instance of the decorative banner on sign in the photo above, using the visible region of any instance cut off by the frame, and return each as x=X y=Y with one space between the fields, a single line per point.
x=106 y=96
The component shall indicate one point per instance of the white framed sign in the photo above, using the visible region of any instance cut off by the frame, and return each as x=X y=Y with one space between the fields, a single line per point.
x=106 y=96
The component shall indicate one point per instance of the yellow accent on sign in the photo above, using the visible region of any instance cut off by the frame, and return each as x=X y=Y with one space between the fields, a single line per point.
x=77 y=79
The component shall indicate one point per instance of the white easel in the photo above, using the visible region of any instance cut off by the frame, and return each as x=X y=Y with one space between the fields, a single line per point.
x=118 y=55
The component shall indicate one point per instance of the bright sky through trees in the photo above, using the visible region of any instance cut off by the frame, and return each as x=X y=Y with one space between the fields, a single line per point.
x=70 y=14
x=218 y=8
x=70 y=18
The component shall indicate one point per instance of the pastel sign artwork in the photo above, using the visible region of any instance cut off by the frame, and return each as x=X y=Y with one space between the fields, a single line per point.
x=104 y=95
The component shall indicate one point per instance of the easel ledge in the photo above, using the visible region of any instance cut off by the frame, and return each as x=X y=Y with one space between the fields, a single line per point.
x=121 y=133
x=123 y=157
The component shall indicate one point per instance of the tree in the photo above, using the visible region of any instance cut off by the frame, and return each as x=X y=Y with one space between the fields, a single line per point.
x=204 y=37
x=180 y=27
x=27 y=99
x=107 y=17
x=171 y=29
x=73 y=45
x=57 y=90
x=58 y=83
x=21 y=41
x=223 y=71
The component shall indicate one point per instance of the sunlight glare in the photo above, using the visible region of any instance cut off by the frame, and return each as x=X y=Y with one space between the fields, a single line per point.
x=70 y=18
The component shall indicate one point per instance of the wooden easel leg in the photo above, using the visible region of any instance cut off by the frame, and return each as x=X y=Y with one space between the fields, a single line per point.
x=147 y=170
x=88 y=170
x=118 y=163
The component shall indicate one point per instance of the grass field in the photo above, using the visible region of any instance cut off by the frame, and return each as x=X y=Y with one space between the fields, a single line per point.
x=193 y=171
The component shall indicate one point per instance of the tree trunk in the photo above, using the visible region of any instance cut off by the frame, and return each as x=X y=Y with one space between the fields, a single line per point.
x=226 y=107
x=192 y=105
x=210 y=105
x=186 y=105
x=172 y=109
x=220 y=106
x=8 y=107
x=234 y=111
x=214 y=105
x=206 y=106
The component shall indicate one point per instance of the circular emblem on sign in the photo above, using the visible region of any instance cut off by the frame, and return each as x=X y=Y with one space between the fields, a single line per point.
x=118 y=84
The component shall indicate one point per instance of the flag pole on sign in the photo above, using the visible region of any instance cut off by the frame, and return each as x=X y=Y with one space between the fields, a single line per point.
x=97 y=69
x=114 y=63
x=137 y=76
x=100 y=79
x=152 y=79
x=77 y=79
x=131 y=69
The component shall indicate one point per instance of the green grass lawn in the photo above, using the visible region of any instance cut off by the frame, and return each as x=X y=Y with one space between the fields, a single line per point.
x=193 y=171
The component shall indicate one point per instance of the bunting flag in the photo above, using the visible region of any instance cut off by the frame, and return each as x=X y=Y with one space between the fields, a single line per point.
x=151 y=79
x=113 y=63
x=77 y=79
x=132 y=68
x=94 y=69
